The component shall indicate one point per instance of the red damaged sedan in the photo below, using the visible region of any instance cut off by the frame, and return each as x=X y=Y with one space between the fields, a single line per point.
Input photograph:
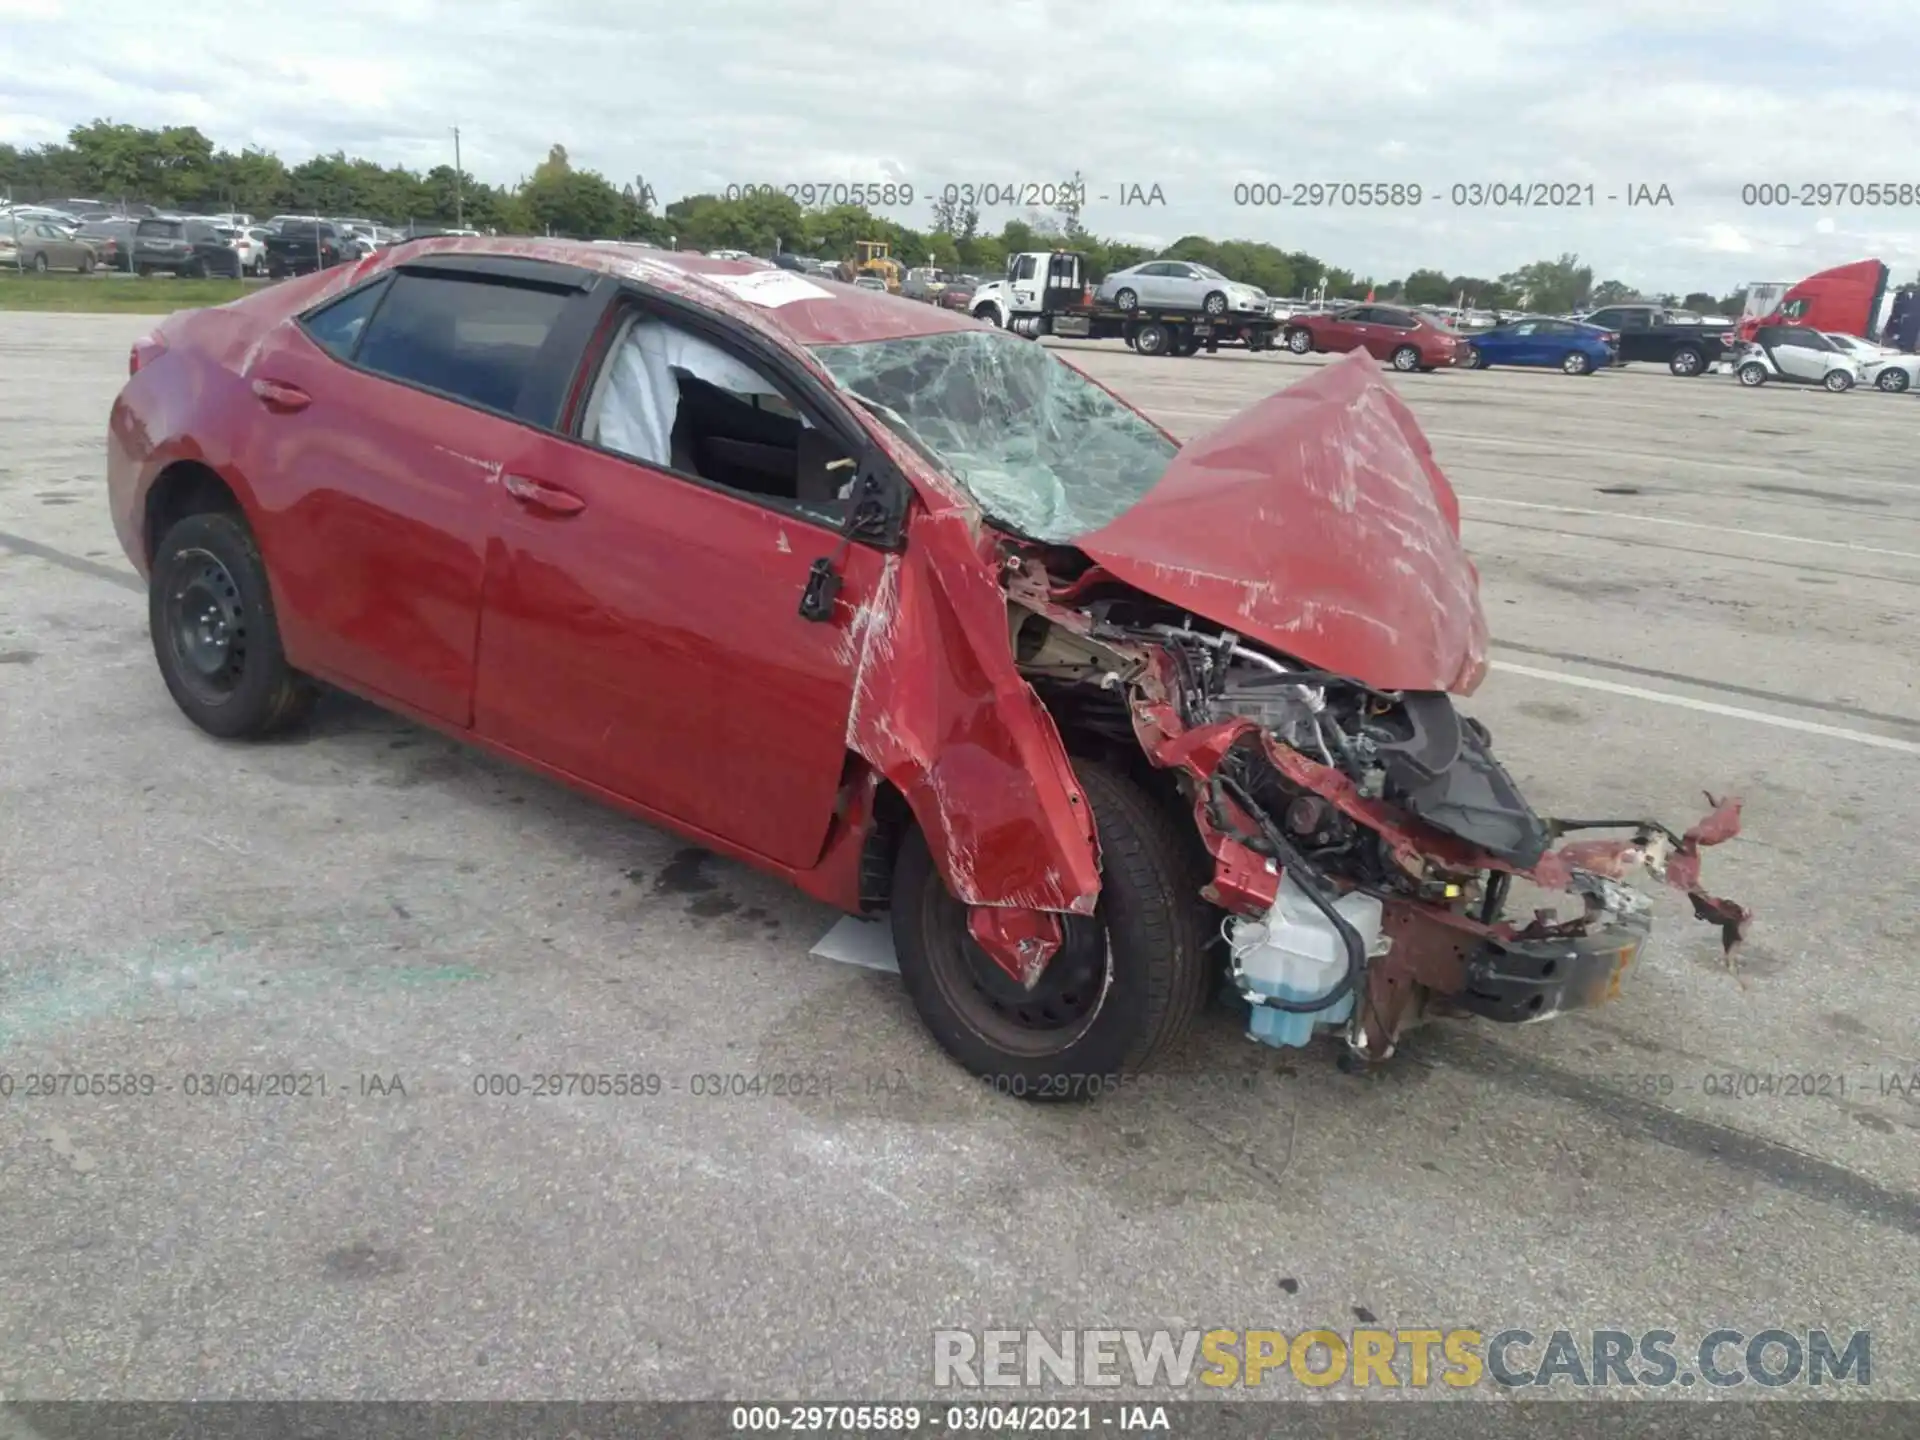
x=902 y=608
x=1405 y=339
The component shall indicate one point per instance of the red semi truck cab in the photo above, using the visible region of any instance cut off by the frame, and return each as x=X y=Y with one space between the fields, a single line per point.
x=1845 y=300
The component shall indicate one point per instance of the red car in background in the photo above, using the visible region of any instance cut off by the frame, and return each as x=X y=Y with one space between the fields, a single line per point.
x=1404 y=339
x=897 y=606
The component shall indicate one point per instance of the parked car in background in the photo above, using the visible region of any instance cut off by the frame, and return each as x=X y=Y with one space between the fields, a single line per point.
x=213 y=250
x=1403 y=339
x=177 y=245
x=42 y=246
x=299 y=247
x=258 y=234
x=1180 y=284
x=1797 y=355
x=958 y=293
x=112 y=241
x=35 y=214
x=1544 y=341
x=1880 y=367
x=926 y=283
x=870 y=282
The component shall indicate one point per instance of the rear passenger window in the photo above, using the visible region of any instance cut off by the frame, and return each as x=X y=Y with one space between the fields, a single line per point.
x=474 y=340
x=337 y=326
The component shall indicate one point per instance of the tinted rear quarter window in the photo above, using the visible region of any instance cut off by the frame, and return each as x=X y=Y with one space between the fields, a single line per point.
x=474 y=340
x=337 y=326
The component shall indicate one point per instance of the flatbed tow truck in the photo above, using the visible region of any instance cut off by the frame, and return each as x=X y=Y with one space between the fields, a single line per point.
x=1047 y=293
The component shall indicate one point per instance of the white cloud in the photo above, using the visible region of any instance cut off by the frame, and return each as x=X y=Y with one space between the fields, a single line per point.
x=1704 y=98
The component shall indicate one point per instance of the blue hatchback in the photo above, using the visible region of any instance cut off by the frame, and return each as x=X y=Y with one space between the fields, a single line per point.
x=1563 y=344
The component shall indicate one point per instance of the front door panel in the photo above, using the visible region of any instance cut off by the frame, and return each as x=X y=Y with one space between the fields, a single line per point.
x=651 y=643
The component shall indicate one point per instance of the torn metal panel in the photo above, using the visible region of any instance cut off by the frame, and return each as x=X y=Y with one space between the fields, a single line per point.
x=1020 y=941
x=1318 y=522
x=940 y=709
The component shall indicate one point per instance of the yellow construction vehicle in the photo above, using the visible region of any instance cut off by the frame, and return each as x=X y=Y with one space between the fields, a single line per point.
x=876 y=258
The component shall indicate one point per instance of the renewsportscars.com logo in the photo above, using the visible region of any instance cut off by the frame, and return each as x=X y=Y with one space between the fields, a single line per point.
x=1391 y=1359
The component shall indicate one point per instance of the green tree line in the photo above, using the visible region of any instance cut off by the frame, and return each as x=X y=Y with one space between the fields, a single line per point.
x=177 y=167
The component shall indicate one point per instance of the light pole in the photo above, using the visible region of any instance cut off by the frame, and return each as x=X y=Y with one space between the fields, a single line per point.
x=459 y=222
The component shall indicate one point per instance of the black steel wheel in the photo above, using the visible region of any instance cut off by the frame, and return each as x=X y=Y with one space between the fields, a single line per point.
x=215 y=636
x=1124 y=985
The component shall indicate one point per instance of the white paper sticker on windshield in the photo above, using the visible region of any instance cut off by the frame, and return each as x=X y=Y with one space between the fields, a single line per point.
x=772 y=288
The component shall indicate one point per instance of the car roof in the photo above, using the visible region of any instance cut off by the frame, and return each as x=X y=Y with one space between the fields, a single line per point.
x=846 y=315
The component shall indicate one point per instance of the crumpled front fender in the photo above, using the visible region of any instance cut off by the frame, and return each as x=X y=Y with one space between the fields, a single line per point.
x=940 y=710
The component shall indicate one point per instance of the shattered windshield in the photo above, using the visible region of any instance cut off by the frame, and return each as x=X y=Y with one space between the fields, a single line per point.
x=1039 y=446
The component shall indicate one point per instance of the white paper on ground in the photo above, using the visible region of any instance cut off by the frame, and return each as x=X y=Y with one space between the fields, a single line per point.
x=771 y=288
x=867 y=943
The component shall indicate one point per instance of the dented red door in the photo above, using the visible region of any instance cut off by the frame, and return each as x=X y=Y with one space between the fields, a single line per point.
x=642 y=632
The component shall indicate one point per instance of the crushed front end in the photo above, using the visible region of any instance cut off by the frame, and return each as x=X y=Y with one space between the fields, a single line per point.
x=1364 y=843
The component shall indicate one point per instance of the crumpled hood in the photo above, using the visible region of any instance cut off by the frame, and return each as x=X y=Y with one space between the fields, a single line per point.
x=1317 y=522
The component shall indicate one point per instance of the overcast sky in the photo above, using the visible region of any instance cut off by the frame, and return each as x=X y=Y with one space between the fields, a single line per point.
x=1194 y=96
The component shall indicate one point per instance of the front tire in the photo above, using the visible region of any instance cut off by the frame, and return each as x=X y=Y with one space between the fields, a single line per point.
x=215 y=636
x=1300 y=342
x=1753 y=373
x=1892 y=380
x=1126 y=300
x=1123 y=988
x=1406 y=359
x=1838 y=381
x=1687 y=361
x=1215 y=304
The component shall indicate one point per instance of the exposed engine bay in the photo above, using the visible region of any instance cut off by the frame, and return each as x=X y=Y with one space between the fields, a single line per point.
x=1363 y=842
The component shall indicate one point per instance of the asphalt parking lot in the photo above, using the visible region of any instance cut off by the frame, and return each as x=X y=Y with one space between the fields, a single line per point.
x=1691 y=587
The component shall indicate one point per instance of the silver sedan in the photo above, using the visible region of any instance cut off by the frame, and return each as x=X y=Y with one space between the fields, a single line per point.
x=42 y=245
x=1180 y=283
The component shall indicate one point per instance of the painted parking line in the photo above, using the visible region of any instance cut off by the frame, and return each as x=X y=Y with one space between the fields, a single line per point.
x=1642 y=518
x=1710 y=707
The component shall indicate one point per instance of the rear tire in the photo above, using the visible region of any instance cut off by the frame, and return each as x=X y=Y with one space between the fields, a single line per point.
x=1687 y=361
x=1153 y=338
x=1576 y=363
x=210 y=613
x=40 y=266
x=1144 y=950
